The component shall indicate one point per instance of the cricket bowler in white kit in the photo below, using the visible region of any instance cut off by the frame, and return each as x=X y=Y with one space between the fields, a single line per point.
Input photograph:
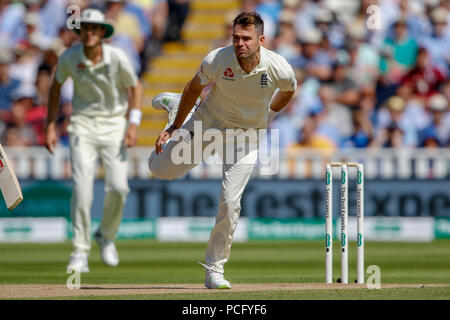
x=245 y=77
x=103 y=78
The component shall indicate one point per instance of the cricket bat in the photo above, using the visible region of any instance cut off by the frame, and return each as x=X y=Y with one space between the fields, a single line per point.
x=8 y=182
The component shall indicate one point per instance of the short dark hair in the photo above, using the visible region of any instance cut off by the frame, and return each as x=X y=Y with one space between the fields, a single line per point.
x=246 y=19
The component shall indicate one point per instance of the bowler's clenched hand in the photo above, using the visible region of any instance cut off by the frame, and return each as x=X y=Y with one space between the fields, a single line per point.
x=162 y=139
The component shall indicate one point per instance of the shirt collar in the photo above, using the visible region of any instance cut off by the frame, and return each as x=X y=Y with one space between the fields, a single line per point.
x=263 y=62
x=106 y=57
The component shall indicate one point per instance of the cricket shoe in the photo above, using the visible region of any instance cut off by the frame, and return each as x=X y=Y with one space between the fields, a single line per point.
x=108 y=251
x=169 y=102
x=215 y=280
x=78 y=262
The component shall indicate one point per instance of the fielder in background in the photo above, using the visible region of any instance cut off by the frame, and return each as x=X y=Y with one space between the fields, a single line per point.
x=103 y=77
x=245 y=77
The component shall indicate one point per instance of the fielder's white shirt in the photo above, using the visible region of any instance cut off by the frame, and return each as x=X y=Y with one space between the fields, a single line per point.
x=238 y=99
x=99 y=90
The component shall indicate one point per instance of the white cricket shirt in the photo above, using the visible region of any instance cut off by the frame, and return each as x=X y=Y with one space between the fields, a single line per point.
x=99 y=90
x=238 y=99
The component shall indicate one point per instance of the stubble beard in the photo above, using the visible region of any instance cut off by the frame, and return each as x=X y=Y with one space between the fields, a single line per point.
x=247 y=56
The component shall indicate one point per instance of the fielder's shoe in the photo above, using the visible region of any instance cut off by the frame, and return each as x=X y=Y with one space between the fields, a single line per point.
x=215 y=280
x=169 y=102
x=78 y=262
x=108 y=251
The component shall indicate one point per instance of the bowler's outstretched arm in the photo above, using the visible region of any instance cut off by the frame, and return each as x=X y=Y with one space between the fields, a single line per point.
x=190 y=95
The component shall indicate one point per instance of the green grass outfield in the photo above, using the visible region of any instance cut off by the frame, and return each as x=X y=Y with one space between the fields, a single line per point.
x=151 y=262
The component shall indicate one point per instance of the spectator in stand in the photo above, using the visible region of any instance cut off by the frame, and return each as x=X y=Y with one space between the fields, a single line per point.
x=269 y=8
x=424 y=79
x=270 y=12
x=413 y=11
x=42 y=85
x=445 y=88
x=415 y=15
x=14 y=137
x=4 y=11
x=323 y=19
x=26 y=63
x=32 y=26
x=368 y=103
x=11 y=14
x=178 y=12
x=142 y=11
x=310 y=137
x=398 y=53
x=66 y=37
x=393 y=124
x=393 y=137
x=317 y=62
x=34 y=114
x=44 y=16
x=334 y=31
x=128 y=14
x=16 y=121
x=158 y=13
x=285 y=41
x=334 y=119
x=438 y=132
x=306 y=11
x=363 y=132
x=7 y=84
x=53 y=13
x=415 y=110
x=384 y=89
x=364 y=58
x=49 y=55
x=345 y=90
x=128 y=35
x=438 y=43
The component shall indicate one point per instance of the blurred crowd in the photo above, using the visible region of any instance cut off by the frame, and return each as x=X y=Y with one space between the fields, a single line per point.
x=33 y=33
x=371 y=73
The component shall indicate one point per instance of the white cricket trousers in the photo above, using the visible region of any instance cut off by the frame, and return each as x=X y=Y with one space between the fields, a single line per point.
x=91 y=138
x=235 y=177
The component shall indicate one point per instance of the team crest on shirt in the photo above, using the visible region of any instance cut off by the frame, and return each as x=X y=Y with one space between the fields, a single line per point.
x=264 y=81
x=228 y=75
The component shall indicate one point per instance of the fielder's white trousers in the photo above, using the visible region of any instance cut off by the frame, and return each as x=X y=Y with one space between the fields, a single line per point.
x=235 y=177
x=91 y=138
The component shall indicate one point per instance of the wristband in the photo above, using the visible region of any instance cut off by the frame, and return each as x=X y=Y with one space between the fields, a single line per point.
x=271 y=114
x=135 y=116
